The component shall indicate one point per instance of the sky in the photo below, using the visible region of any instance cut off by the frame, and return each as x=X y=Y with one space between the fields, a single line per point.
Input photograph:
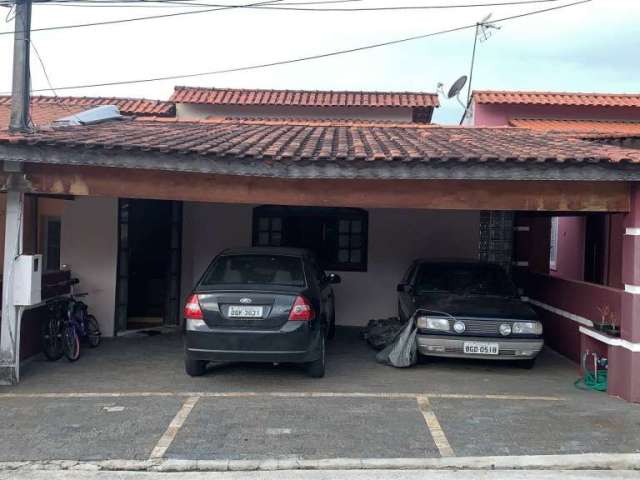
x=593 y=47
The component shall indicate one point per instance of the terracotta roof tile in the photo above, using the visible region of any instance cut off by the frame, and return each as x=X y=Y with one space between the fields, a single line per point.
x=596 y=127
x=307 y=98
x=46 y=109
x=302 y=141
x=558 y=98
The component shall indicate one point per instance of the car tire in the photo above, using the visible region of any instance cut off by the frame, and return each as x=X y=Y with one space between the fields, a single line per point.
x=194 y=368
x=527 y=364
x=331 y=332
x=316 y=368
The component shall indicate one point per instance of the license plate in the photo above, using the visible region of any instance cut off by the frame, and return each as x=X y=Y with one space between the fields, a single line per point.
x=481 y=348
x=242 y=311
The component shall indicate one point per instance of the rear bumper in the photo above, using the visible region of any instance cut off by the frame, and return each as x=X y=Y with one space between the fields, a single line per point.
x=450 y=346
x=295 y=342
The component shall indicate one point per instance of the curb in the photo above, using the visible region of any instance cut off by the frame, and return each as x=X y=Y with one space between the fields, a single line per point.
x=590 y=461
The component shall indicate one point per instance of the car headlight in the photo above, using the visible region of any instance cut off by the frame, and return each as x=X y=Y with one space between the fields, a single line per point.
x=504 y=329
x=527 y=328
x=433 y=323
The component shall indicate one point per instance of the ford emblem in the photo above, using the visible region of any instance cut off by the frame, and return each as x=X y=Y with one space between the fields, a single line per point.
x=245 y=300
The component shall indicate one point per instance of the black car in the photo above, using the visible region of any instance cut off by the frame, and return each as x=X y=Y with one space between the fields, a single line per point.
x=260 y=304
x=469 y=309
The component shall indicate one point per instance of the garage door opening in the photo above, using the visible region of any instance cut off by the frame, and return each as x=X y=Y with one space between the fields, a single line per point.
x=148 y=263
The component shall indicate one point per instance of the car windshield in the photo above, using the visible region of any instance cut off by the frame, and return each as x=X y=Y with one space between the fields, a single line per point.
x=461 y=279
x=256 y=269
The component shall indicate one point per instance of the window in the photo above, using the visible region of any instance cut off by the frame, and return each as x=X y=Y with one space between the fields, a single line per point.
x=52 y=243
x=553 y=249
x=255 y=269
x=338 y=236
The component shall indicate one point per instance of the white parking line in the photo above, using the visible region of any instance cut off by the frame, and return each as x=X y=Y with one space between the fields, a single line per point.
x=172 y=430
x=380 y=395
x=439 y=438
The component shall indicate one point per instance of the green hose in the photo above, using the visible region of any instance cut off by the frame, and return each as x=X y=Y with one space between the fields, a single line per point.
x=590 y=381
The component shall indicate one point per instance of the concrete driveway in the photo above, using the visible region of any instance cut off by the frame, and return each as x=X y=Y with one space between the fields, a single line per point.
x=130 y=400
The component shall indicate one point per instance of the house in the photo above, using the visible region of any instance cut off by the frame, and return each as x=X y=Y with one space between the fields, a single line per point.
x=587 y=247
x=149 y=201
x=197 y=103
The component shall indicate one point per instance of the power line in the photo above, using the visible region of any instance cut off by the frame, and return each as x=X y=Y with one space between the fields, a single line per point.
x=160 y=3
x=137 y=19
x=264 y=6
x=285 y=6
x=312 y=57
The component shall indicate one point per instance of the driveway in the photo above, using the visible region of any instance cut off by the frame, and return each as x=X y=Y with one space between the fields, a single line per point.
x=129 y=399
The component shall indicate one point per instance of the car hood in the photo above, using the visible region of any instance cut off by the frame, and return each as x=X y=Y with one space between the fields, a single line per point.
x=484 y=306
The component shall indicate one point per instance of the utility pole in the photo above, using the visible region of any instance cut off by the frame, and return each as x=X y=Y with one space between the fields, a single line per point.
x=20 y=95
x=14 y=198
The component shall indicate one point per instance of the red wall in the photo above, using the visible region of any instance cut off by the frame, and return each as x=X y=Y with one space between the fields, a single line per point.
x=579 y=298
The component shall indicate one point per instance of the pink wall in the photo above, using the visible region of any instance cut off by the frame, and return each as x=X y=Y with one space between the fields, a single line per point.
x=570 y=256
x=500 y=114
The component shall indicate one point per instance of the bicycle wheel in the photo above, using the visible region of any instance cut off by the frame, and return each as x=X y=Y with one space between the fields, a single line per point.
x=51 y=338
x=93 y=331
x=71 y=343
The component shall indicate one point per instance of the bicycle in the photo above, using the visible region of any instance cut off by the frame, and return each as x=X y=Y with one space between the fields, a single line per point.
x=51 y=331
x=68 y=322
x=78 y=324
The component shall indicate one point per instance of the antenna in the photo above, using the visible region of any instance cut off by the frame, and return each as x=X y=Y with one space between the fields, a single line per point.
x=484 y=28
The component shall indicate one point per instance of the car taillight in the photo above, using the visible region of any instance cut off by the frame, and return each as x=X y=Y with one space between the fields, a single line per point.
x=301 y=310
x=192 y=310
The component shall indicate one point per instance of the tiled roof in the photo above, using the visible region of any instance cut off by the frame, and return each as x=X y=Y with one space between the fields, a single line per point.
x=305 y=98
x=558 y=98
x=367 y=144
x=597 y=127
x=45 y=109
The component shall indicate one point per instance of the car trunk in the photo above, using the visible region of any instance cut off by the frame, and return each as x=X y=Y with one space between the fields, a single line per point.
x=244 y=308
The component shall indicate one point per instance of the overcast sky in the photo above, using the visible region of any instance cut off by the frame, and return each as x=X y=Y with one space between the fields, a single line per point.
x=589 y=47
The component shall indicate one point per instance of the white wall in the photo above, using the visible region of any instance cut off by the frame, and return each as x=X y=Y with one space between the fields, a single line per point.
x=395 y=114
x=395 y=238
x=89 y=246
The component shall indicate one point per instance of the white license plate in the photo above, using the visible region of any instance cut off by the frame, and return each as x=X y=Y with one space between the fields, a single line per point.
x=481 y=348
x=241 y=311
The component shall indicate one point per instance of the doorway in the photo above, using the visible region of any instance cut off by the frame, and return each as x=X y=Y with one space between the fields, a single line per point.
x=149 y=249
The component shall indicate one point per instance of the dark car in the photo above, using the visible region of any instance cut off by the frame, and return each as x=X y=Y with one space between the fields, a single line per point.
x=260 y=304
x=469 y=309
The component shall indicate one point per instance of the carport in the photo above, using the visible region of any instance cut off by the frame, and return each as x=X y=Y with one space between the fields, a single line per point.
x=454 y=186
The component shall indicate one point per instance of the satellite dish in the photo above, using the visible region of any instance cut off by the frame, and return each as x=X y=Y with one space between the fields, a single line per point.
x=457 y=86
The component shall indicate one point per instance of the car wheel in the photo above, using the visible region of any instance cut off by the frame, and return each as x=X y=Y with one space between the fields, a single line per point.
x=316 y=368
x=194 y=368
x=527 y=364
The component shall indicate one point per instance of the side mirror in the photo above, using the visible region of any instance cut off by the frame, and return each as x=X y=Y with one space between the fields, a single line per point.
x=403 y=287
x=334 y=278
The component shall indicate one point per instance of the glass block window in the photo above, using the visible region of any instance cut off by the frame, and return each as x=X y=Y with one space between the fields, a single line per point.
x=496 y=237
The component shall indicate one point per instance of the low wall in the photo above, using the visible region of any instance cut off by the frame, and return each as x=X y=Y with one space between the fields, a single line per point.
x=564 y=305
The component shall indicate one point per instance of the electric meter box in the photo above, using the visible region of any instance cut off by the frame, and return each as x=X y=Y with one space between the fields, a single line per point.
x=27 y=280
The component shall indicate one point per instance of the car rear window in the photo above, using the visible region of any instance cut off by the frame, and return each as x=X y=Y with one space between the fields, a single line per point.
x=256 y=269
x=463 y=279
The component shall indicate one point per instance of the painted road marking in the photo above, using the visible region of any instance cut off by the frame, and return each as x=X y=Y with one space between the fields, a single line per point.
x=172 y=430
x=382 y=395
x=439 y=438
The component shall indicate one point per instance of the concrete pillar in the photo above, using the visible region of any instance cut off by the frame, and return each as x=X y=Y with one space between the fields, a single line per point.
x=624 y=381
x=10 y=321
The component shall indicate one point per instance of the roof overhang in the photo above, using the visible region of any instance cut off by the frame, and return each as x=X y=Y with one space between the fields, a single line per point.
x=314 y=169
